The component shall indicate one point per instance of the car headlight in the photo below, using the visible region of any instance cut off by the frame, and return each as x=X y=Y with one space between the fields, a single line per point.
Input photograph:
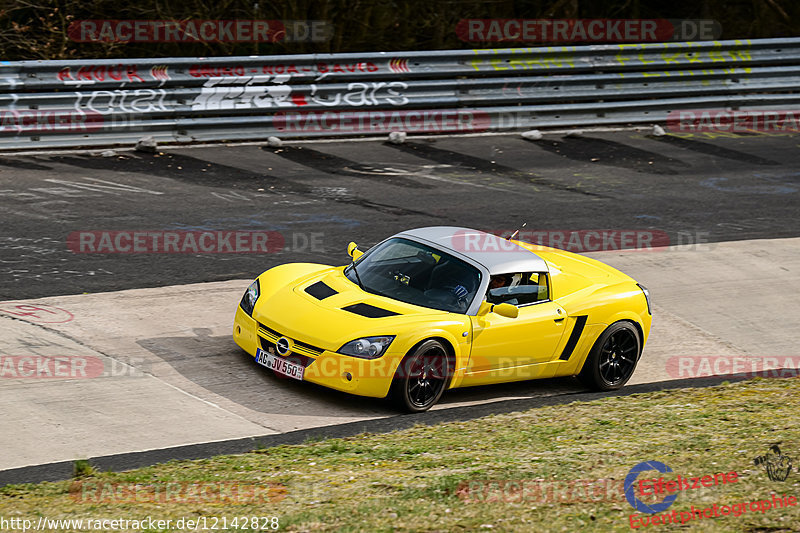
x=367 y=347
x=646 y=297
x=250 y=296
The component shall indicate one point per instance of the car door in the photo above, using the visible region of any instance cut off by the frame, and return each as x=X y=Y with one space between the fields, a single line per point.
x=510 y=349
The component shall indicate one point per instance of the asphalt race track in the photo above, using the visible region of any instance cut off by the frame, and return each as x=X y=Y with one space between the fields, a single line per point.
x=725 y=188
x=158 y=324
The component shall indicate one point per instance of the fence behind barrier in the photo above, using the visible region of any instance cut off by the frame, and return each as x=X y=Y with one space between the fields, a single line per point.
x=106 y=102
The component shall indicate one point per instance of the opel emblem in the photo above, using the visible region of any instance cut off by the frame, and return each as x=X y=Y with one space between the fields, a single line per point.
x=283 y=345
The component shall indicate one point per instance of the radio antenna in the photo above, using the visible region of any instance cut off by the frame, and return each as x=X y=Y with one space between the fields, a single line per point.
x=516 y=232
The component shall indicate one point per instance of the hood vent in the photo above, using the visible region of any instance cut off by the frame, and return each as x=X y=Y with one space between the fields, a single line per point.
x=320 y=291
x=369 y=311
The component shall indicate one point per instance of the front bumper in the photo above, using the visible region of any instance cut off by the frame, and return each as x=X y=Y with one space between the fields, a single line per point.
x=363 y=377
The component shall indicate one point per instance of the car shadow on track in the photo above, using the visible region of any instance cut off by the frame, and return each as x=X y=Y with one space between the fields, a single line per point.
x=217 y=365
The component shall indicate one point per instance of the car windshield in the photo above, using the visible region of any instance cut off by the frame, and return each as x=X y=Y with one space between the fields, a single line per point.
x=417 y=274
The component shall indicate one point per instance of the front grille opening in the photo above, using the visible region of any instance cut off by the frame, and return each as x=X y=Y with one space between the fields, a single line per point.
x=298 y=358
x=273 y=333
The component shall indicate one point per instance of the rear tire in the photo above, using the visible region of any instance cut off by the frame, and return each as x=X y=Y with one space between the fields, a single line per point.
x=421 y=377
x=612 y=360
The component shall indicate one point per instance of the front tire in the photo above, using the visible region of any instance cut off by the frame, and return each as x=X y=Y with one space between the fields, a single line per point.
x=612 y=360
x=421 y=377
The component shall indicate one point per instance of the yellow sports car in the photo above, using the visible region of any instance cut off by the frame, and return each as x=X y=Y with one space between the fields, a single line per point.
x=442 y=307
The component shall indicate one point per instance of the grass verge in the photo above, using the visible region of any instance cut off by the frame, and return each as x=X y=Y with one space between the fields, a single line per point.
x=554 y=468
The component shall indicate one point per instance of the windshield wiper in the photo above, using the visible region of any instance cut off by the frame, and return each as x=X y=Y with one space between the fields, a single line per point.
x=353 y=267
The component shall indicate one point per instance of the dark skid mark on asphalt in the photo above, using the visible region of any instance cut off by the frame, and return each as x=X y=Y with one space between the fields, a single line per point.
x=332 y=164
x=612 y=153
x=193 y=171
x=711 y=149
x=448 y=157
x=196 y=171
x=23 y=163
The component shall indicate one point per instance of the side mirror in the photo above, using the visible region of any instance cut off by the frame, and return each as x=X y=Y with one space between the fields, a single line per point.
x=506 y=310
x=353 y=251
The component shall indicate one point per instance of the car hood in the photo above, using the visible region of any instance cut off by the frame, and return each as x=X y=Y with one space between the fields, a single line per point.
x=327 y=310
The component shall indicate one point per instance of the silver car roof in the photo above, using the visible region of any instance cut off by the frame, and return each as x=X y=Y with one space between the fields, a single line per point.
x=496 y=254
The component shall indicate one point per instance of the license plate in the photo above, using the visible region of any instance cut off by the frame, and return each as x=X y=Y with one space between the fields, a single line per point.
x=280 y=365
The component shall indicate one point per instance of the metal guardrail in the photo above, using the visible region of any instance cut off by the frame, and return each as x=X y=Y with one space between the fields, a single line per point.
x=106 y=102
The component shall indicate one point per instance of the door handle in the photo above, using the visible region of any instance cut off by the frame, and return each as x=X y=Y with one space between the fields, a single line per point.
x=559 y=318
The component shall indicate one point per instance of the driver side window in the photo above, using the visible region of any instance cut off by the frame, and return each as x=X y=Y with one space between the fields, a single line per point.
x=518 y=288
